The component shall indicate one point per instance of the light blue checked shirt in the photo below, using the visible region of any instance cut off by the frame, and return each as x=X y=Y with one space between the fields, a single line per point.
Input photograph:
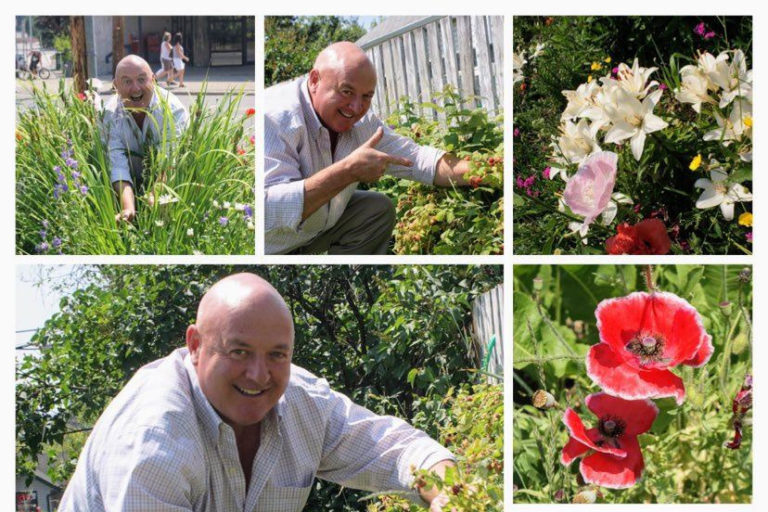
x=297 y=145
x=160 y=446
x=125 y=140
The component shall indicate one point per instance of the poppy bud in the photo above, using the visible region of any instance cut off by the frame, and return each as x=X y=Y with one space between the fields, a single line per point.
x=538 y=284
x=543 y=400
x=726 y=307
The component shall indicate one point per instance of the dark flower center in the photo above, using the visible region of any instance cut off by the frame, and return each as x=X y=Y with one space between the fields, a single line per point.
x=648 y=347
x=611 y=428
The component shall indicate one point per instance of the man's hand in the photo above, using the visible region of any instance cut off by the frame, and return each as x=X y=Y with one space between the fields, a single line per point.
x=367 y=164
x=431 y=495
x=127 y=200
x=451 y=170
x=438 y=502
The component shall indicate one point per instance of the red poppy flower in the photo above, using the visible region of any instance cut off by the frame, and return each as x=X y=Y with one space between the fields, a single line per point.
x=81 y=96
x=250 y=112
x=642 y=335
x=614 y=459
x=648 y=236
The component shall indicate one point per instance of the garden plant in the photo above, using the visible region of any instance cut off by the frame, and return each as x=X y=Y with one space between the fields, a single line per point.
x=197 y=195
x=458 y=220
x=394 y=339
x=633 y=135
x=633 y=384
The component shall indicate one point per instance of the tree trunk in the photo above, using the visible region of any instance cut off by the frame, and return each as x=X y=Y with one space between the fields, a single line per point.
x=79 y=59
x=118 y=41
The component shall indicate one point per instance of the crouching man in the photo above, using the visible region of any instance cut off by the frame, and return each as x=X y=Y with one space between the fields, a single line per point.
x=229 y=424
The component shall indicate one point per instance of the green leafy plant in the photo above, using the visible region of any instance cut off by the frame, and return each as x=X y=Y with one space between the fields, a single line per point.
x=457 y=220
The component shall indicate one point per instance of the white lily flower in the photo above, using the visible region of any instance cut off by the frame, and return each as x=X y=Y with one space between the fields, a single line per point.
x=577 y=141
x=737 y=125
x=539 y=50
x=581 y=102
x=717 y=192
x=634 y=79
x=694 y=89
x=518 y=61
x=632 y=120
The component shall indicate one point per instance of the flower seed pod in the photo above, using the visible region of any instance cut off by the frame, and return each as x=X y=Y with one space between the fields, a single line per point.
x=588 y=495
x=543 y=400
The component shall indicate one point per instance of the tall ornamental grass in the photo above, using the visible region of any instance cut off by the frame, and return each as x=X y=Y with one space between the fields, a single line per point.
x=197 y=196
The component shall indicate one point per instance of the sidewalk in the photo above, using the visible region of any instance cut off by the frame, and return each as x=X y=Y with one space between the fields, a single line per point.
x=220 y=80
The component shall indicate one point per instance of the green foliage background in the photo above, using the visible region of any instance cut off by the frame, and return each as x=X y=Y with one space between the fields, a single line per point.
x=661 y=178
x=394 y=339
x=291 y=43
x=684 y=454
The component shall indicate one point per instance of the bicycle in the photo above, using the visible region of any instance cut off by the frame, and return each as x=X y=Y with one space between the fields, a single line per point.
x=24 y=73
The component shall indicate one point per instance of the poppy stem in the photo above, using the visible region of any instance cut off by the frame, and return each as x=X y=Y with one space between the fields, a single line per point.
x=648 y=271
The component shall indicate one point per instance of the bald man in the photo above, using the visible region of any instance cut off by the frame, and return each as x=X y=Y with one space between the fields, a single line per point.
x=320 y=142
x=139 y=114
x=229 y=424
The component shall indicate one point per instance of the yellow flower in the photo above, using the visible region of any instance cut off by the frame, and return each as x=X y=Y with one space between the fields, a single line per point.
x=607 y=60
x=595 y=66
x=695 y=163
x=745 y=219
x=748 y=121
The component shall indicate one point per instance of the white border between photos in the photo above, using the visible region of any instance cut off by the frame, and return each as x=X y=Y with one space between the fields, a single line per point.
x=390 y=7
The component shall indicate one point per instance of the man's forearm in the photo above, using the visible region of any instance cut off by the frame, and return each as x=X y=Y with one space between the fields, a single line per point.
x=324 y=185
x=450 y=170
x=429 y=494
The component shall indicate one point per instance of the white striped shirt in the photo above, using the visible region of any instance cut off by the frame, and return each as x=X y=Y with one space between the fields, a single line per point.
x=160 y=446
x=125 y=140
x=297 y=145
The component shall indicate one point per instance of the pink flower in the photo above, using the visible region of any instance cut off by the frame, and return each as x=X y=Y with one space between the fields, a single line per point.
x=700 y=29
x=589 y=190
x=545 y=172
x=613 y=457
x=516 y=132
x=709 y=35
x=642 y=335
x=663 y=86
x=748 y=236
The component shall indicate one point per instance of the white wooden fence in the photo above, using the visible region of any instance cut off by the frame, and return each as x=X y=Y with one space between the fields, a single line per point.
x=488 y=328
x=419 y=56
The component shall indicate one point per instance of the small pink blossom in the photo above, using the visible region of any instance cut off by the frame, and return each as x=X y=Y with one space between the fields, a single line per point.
x=748 y=236
x=516 y=132
x=589 y=190
x=545 y=172
x=700 y=29
x=663 y=86
x=709 y=35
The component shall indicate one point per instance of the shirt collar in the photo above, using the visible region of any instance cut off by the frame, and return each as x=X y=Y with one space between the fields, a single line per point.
x=310 y=116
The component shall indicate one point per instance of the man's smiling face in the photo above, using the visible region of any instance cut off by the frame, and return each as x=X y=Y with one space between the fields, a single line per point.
x=134 y=83
x=241 y=348
x=341 y=95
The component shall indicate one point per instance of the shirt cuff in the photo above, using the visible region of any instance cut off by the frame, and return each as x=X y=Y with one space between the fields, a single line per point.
x=424 y=166
x=284 y=204
x=421 y=454
x=121 y=174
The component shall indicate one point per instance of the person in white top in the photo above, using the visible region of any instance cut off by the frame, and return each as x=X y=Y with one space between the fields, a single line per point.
x=229 y=424
x=166 y=60
x=179 y=59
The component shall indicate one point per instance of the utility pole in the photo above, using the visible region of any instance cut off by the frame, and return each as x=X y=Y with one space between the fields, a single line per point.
x=118 y=38
x=79 y=58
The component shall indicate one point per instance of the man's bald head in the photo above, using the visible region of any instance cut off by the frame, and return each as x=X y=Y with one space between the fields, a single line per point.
x=341 y=85
x=238 y=294
x=343 y=56
x=134 y=81
x=241 y=348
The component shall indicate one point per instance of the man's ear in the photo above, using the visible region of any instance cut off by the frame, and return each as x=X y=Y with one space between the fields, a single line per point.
x=194 y=342
x=314 y=79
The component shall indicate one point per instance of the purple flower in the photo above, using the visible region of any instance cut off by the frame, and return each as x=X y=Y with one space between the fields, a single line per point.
x=44 y=223
x=56 y=242
x=43 y=233
x=57 y=169
x=223 y=221
x=83 y=189
x=700 y=29
x=71 y=163
x=42 y=247
x=75 y=175
x=248 y=210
